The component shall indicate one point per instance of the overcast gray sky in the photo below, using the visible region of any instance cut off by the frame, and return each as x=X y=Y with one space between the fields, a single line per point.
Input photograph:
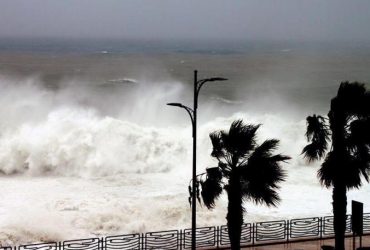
x=192 y=19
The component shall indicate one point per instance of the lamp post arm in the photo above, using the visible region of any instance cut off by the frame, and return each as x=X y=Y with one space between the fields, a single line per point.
x=191 y=114
x=201 y=82
x=189 y=110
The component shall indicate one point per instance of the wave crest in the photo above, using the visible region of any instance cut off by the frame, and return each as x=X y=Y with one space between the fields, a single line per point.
x=80 y=142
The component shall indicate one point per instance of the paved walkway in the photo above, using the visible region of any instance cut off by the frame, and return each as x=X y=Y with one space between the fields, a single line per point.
x=313 y=245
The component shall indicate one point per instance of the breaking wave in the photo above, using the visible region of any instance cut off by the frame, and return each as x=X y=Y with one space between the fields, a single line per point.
x=86 y=160
x=78 y=129
x=79 y=142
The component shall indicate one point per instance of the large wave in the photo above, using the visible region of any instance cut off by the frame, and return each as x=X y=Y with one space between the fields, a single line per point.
x=82 y=129
x=87 y=159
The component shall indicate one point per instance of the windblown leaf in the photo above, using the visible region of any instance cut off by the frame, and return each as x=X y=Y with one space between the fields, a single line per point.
x=261 y=194
x=359 y=132
x=318 y=134
x=214 y=173
x=211 y=190
x=350 y=97
x=262 y=173
x=327 y=172
x=241 y=138
x=217 y=143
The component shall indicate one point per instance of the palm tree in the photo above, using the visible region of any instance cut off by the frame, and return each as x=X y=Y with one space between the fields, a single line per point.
x=347 y=128
x=246 y=171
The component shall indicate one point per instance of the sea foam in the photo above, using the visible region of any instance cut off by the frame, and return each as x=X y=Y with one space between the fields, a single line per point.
x=79 y=160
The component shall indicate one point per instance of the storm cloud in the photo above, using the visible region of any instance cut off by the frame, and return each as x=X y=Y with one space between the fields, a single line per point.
x=190 y=19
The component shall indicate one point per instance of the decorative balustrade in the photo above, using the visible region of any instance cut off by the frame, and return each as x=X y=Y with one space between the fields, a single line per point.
x=166 y=240
x=41 y=246
x=366 y=223
x=270 y=232
x=303 y=228
x=129 y=241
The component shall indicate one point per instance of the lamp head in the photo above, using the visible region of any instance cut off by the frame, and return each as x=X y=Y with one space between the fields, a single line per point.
x=175 y=104
x=213 y=79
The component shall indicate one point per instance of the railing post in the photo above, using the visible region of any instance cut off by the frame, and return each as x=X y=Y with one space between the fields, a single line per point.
x=253 y=233
x=287 y=225
x=217 y=237
x=142 y=241
x=60 y=245
x=180 y=241
x=321 y=225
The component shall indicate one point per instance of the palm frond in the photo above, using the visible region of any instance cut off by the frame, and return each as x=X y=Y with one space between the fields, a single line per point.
x=228 y=153
x=316 y=127
x=360 y=165
x=234 y=144
x=353 y=175
x=327 y=171
x=350 y=90
x=211 y=190
x=358 y=144
x=365 y=105
x=264 y=167
x=347 y=169
x=318 y=134
x=261 y=194
x=356 y=167
x=214 y=173
x=265 y=171
x=262 y=173
x=266 y=148
x=359 y=132
x=225 y=169
x=352 y=98
x=217 y=144
x=240 y=139
x=280 y=158
x=313 y=151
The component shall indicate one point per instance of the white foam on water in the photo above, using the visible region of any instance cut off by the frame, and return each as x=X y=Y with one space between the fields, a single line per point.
x=71 y=170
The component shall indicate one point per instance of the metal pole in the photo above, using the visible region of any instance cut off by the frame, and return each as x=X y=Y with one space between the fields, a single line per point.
x=193 y=115
x=353 y=241
x=193 y=206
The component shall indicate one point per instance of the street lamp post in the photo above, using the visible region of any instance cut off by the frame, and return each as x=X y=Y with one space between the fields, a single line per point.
x=193 y=116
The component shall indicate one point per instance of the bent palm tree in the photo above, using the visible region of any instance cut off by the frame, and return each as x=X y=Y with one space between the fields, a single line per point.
x=246 y=171
x=348 y=129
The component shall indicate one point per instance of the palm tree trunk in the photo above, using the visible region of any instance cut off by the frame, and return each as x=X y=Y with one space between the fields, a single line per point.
x=337 y=124
x=234 y=211
x=340 y=214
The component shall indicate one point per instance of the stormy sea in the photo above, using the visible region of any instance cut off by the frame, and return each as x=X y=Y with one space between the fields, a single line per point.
x=88 y=146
